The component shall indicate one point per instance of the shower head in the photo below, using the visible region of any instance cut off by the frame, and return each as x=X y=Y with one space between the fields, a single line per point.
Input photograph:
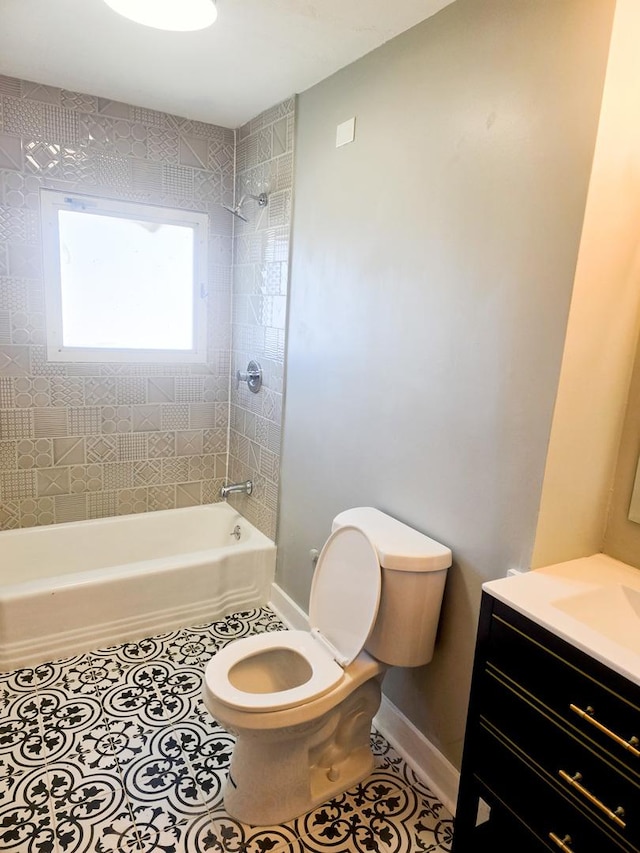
x=236 y=212
x=262 y=201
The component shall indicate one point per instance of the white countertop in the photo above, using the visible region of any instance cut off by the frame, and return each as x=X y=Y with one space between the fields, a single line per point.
x=592 y=603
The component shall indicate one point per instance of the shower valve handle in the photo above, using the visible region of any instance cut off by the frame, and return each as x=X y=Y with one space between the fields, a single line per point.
x=252 y=376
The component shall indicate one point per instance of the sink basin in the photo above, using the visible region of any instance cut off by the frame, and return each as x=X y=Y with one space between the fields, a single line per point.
x=613 y=611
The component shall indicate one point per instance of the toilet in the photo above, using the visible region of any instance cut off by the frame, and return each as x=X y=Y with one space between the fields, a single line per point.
x=301 y=703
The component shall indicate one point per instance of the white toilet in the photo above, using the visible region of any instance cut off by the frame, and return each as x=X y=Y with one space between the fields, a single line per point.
x=301 y=702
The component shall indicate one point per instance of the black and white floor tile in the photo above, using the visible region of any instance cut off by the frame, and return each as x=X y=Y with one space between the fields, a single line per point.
x=114 y=752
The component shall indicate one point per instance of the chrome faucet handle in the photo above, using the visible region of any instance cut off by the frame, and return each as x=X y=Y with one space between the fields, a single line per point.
x=252 y=376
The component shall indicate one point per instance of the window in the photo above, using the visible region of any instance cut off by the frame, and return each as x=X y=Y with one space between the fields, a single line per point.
x=123 y=281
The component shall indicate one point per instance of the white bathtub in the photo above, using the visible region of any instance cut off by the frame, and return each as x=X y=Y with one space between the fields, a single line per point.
x=69 y=588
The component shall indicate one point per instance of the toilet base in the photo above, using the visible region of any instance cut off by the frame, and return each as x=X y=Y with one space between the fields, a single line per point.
x=278 y=774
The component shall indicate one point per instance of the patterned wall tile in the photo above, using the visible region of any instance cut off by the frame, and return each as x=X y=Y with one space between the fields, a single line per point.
x=85 y=421
x=116 y=419
x=264 y=161
x=36 y=453
x=100 y=391
x=131 y=390
x=102 y=448
x=9 y=515
x=163 y=146
x=177 y=180
x=27 y=328
x=37 y=511
x=16 y=424
x=85 y=478
x=211 y=490
x=5 y=328
x=17 y=484
x=60 y=124
x=146 y=177
x=102 y=504
x=132 y=446
x=189 y=389
x=14 y=361
x=189 y=442
x=66 y=391
x=203 y=467
x=147 y=472
x=175 y=470
x=7 y=395
x=161 y=444
x=23 y=117
x=188 y=494
x=70 y=508
x=161 y=389
x=48 y=423
x=175 y=417
x=10 y=86
x=21 y=190
x=13 y=294
x=117 y=427
x=114 y=108
x=206 y=415
x=53 y=481
x=132 y=501
x=161 y=497
x=8 y=455
x=194 y=151
x=24 y=261
x=118 y=475
x=10 y=152
x=78 y=101
x=147 y=418
x=40 y=92
x=69 y=451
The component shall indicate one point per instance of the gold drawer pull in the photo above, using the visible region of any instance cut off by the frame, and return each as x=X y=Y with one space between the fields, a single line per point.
x=630 y=745
x=563 y=843
x=616 y=816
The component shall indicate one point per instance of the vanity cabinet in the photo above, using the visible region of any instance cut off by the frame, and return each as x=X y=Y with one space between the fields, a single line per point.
x=552 y=746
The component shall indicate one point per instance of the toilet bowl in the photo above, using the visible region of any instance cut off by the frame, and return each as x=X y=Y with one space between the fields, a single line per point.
x=301 y=703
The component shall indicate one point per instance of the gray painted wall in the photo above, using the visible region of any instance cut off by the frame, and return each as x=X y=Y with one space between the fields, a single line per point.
x=432 y=267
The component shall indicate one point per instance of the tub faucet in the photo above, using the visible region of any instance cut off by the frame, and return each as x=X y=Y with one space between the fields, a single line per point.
x=234 y=488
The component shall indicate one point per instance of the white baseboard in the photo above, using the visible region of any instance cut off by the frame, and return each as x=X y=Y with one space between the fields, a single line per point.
x=419 y=753
x=285 y=607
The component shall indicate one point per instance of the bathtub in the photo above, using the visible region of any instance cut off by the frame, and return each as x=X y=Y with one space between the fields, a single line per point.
x=69 y=588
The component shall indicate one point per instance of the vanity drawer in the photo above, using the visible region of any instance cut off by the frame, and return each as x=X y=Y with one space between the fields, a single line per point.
x=602 y=706
x=511 y=783
x=603 y=791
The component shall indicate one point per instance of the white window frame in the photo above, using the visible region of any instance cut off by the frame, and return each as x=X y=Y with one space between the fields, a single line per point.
x=51 y=202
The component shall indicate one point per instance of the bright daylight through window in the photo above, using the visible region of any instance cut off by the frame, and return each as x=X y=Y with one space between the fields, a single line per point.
x=124 y=281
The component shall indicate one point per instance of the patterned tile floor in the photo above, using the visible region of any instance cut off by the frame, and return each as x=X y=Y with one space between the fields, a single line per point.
x=114 y=751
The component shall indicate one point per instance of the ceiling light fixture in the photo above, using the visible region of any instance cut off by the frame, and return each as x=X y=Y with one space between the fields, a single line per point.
x=176 y=15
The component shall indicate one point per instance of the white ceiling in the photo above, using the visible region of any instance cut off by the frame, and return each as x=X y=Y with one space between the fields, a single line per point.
x=257 y=53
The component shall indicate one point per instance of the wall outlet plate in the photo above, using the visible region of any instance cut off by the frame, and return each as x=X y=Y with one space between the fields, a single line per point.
x=346 y=132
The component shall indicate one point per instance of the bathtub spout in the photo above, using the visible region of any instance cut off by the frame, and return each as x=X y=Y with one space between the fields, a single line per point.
x=233 y=488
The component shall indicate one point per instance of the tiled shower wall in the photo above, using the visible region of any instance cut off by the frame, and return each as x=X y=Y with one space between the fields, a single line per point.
x=264 y=163
x=85 y=441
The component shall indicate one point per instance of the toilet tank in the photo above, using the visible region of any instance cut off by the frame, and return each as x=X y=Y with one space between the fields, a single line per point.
x=414 y=571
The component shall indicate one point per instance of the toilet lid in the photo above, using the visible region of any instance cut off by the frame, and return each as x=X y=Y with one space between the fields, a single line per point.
x=345 y=592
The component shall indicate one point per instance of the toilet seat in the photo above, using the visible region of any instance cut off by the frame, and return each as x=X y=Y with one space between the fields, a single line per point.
x=345 y=594
x=325 y=672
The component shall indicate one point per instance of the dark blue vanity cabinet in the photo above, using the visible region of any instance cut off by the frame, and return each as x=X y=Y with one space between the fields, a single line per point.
x=552 y=746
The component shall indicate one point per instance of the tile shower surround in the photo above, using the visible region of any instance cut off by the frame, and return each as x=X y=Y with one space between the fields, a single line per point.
x=84 y=441
x=113 y=752
x=264 y=162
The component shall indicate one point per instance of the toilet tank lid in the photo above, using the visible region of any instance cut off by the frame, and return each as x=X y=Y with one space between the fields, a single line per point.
x=399 y=546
